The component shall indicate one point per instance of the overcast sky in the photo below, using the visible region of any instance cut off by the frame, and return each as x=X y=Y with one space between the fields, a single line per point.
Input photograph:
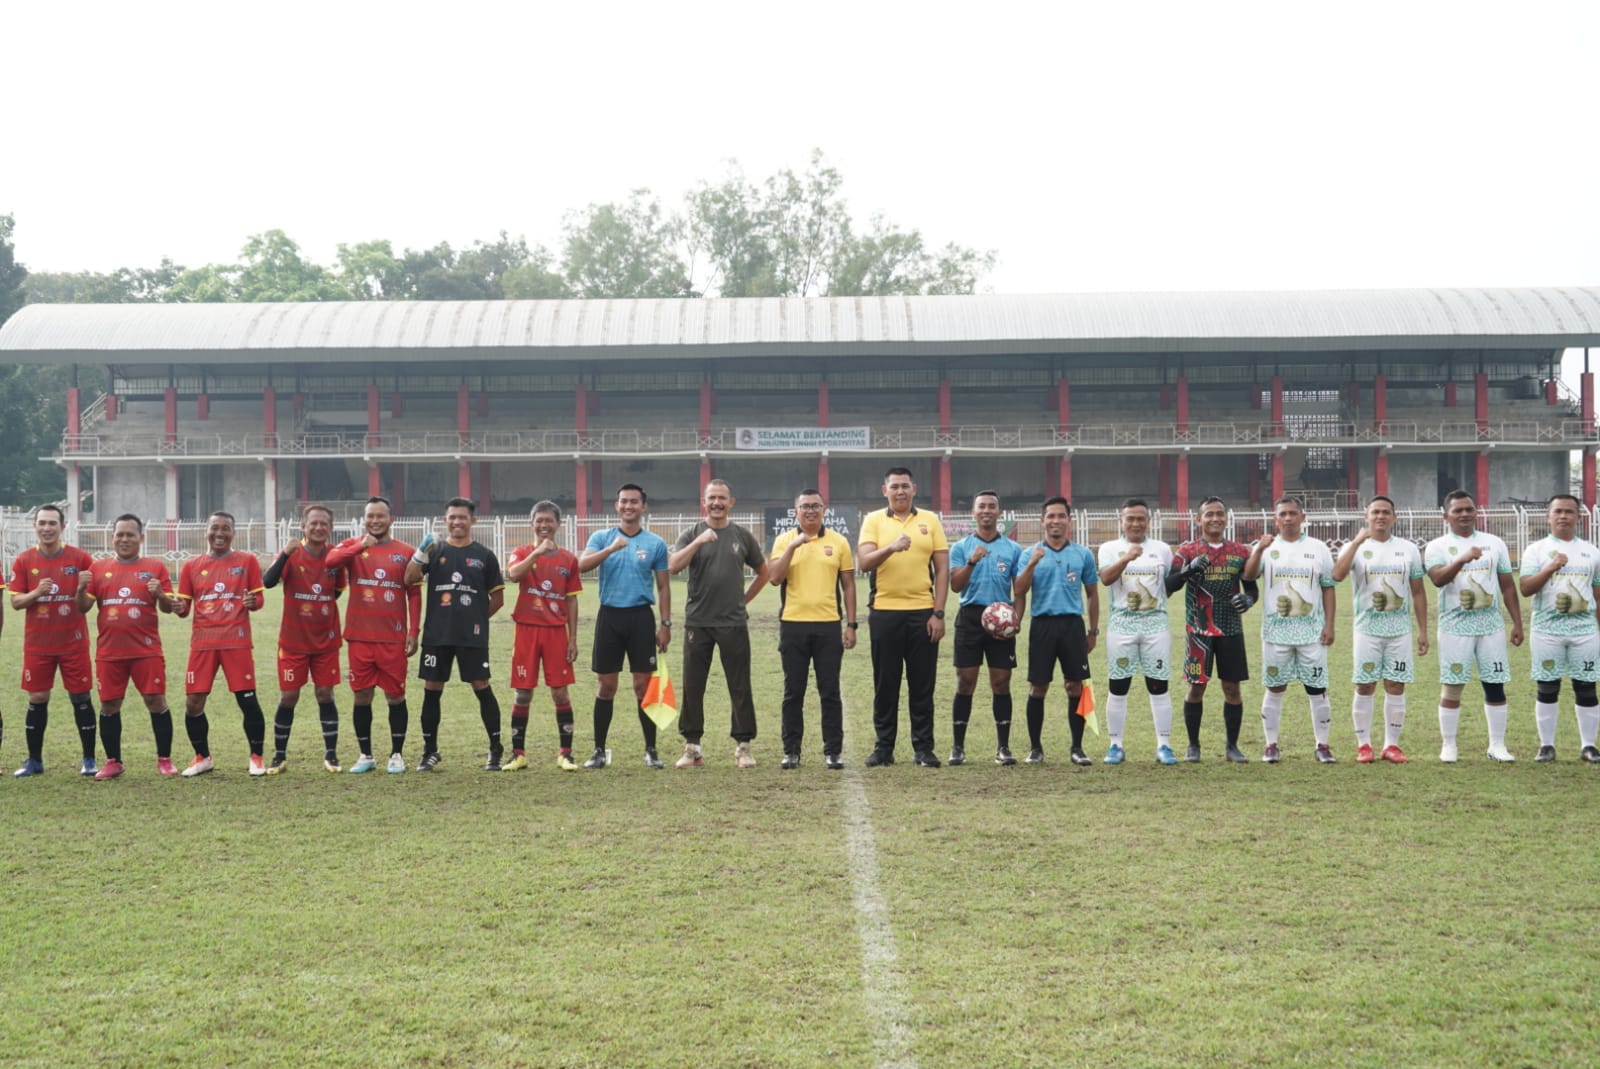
x=1105 y=146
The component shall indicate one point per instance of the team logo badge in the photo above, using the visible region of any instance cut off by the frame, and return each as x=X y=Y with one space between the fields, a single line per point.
x=123 y=592
x=1366 y=554
x=455 y=577
x=1456 y=667
x=827 y=551
x=1274 y=554
x=639 y=553
x=1548 y=665
x=1272 y=669
x=219 y=587
x=388 y=595
x=466 y=599
x=1368 y=666
x=1122 y=662
x=133 y=613
x=316 y=588
x=444 y=599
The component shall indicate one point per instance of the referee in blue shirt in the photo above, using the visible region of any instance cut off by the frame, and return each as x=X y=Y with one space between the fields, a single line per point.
x=1062 y=576
x=633 y=574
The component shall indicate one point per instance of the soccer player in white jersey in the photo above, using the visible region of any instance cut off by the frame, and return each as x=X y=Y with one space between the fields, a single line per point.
x=1469 y=566
x=1561 y=573
x=1297 y=626
x=1138 y=640
x=1387 y=573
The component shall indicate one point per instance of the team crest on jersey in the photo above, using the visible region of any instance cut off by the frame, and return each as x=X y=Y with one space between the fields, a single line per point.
x=236 y=571
x=444 y=599
x=1072 y=577
x=219 y=587
x=1272 y=669
x=827 y=551
x=396 y=558
x=33 y=571
x=1366 y=554
x=1368 y=666
x=1456 y=667
x=474 y=562
x=123 y=592
x=147 y=575
x=70 y=569
x=466 y=599
x=564 y=570
x=1274 y=554
x=1547 y=665
x=922 y=527
x=639 y=553
x=455 y=577
x=1122 y=662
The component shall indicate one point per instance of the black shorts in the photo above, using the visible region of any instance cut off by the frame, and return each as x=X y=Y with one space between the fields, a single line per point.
x=1057 y=640
x=620 y=633
x=1224 y=653
x=472 y=663
x=974 y=644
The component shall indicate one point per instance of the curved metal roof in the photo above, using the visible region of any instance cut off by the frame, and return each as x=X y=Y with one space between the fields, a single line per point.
x=420 y=331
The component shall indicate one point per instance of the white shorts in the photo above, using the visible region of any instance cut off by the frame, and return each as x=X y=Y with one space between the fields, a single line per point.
x=1306 y=664
x=1377 y=658
x=1139 y=655
x=1558 y=657
x=1458 y=654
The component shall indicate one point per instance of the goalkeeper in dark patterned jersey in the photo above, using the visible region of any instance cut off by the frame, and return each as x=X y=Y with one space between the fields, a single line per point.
x=1210 y=569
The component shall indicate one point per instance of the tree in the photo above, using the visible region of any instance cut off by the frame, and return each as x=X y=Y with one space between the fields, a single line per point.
x=370 y=271
x=624 y=250
x=793 y=236
x=12 y=274
x=142 y=285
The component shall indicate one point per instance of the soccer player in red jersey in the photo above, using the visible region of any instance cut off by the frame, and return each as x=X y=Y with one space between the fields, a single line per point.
x=546 y=616
x=44 y=584
x=308 y=638
x=130 y=589
x=377 y=629
x=221 y=588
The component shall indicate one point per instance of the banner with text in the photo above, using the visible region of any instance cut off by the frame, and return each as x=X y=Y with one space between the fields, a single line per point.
x=794 y=438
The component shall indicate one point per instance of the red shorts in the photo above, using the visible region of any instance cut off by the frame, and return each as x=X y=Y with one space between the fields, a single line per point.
x=535 y=646
x=378 y=664
x=295 y=668
x=149 y=675
x=39 y=671
x=238 y=667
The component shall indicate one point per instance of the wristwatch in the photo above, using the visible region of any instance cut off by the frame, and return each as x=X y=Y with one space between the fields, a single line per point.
x=666 y=623
x=938 y=614
x=852 y=625
x=1094 y=631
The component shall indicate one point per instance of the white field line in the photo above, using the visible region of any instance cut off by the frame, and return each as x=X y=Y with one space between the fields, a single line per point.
x=884 y=991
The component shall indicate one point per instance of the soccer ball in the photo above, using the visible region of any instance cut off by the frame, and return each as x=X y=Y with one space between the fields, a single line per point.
x=1000 y=620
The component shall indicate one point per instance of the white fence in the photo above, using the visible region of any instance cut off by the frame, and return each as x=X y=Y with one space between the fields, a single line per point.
x=182 y=540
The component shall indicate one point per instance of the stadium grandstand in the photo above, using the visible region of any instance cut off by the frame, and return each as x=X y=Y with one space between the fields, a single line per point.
x=1334 y=395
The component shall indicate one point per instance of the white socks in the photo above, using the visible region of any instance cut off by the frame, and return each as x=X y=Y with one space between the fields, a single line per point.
x=1271 y=715
x=1116 y=717
x=1361 y=713
x=1496 y=715
x=1394 y=718
x=1322 y=717
x=1545 y=715
x=1161 y=712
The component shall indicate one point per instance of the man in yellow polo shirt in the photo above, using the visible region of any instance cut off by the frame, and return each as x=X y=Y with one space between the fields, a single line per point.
x=903 y=550
x=815 y=574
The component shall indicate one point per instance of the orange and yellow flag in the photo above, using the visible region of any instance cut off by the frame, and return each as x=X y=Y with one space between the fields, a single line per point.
x=660 y=704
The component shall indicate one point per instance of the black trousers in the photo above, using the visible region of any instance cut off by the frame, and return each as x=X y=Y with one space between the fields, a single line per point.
x=734 y=645
x=800 y=646
x=900 y=645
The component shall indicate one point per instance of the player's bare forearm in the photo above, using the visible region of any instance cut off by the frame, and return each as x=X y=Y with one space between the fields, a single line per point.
x=1419 y=605
x=664 y=594
x=413 y=573
x=756 y=583
x=869 y=556
x=941 y=579
x=1091 y=597
x=847 y=587
x=959 y=577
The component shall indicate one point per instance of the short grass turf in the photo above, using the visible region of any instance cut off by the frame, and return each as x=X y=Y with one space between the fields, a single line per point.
x=1051 y=915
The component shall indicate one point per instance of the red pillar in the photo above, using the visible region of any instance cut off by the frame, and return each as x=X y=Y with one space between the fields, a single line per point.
x=705 y=472
x=374 y=480
x=463 y=479
x=1352 y=471
x=397 y=405
x=463 y=420
x=580 y=489
x=485 y=492
x=1480 y=492
x=1588 y=478
x=483 y=403
x=705 y=409
x=822 y=477
x=1277 y=406
x=397 y=492
x=1586 y=401
x=1182 y=480
x=1480 y=404
x=372 y=414
x=1277 y=475
x=942 y=465
x=1380 y=403
x=1166 y=396
x=111 y=408
x=1380 y=472
x=202 y=407
x=269 y=417
x=1550 y=391
x=171 y=413
x=1449 y=395
x=1183 y=404
x=74 y=418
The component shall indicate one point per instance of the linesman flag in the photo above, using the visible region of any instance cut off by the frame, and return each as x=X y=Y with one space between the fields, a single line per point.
x=660 y=704
x=1086 y=708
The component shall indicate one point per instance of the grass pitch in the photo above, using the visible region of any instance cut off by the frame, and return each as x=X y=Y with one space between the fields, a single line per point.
x=1211 y=914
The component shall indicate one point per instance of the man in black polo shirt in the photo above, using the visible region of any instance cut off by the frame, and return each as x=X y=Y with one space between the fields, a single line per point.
x=465 y=588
